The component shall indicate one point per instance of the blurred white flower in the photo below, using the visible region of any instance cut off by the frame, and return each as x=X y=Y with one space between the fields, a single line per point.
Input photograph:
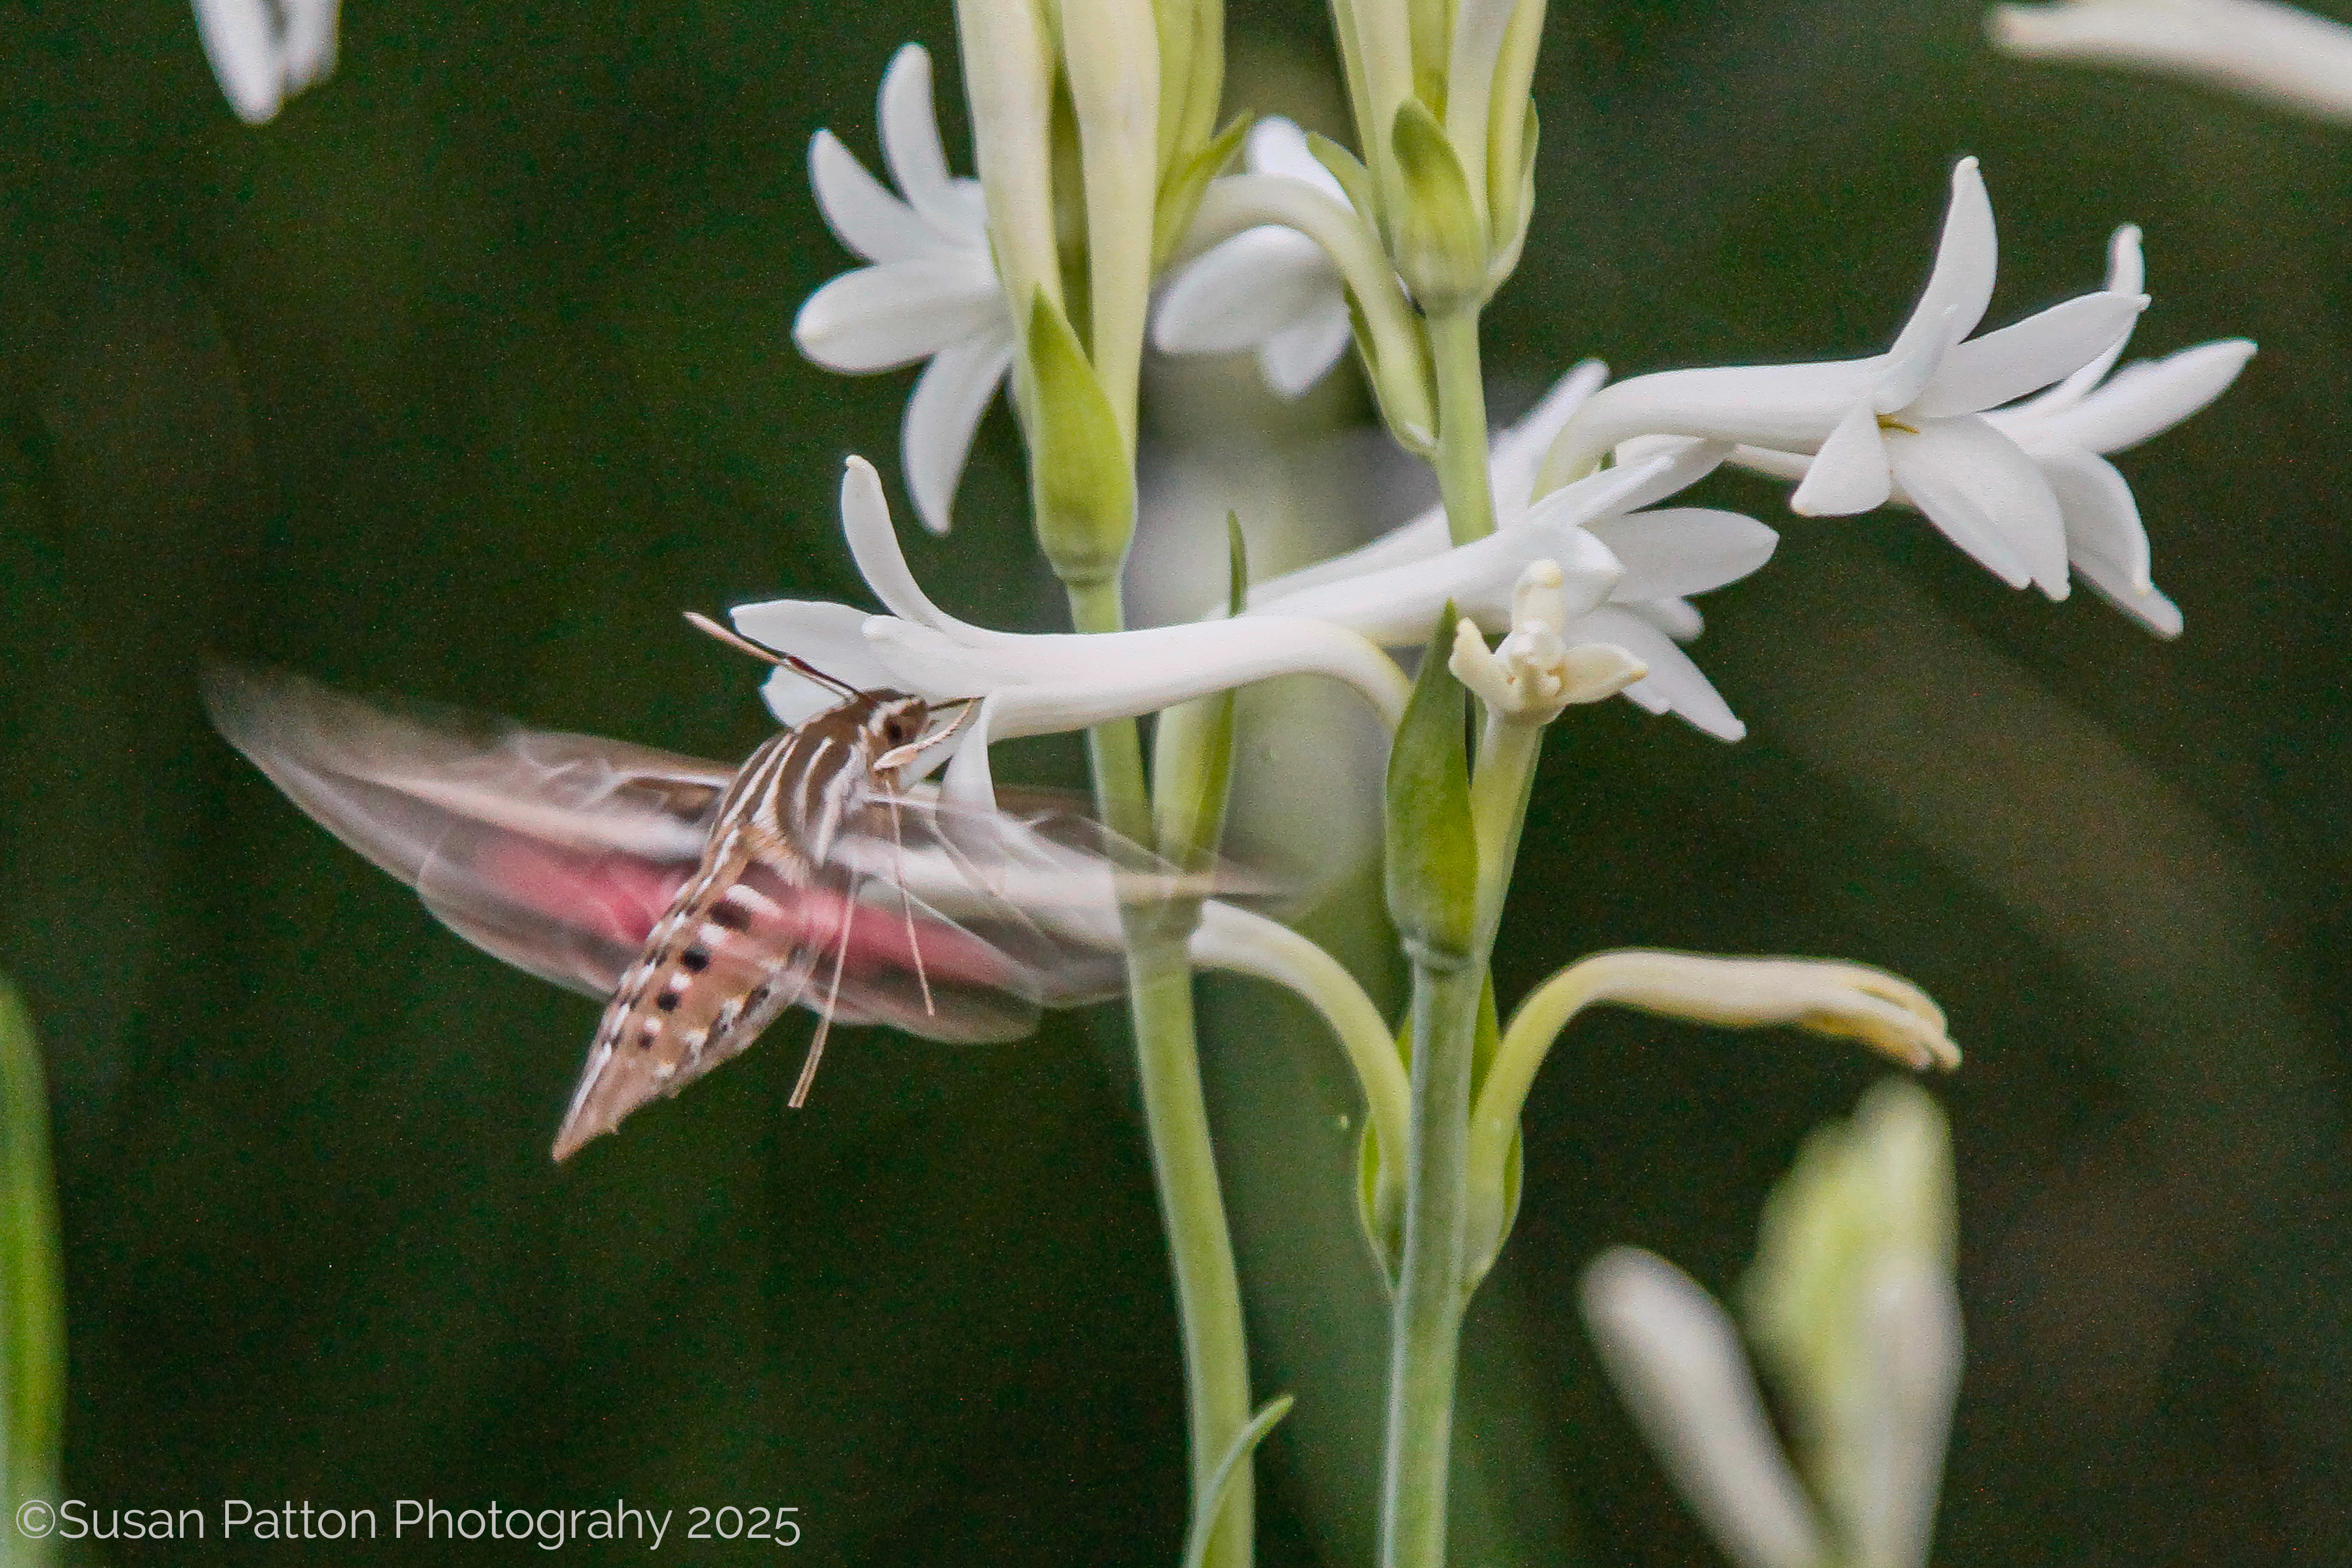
x=1912 y=414
x=1270 y=289
x=1030 y=683
x=2066 y=430
x=1391 y=589
x=931 y=294
x=2273 y=52
x=263 y=52
x=1852 y=1305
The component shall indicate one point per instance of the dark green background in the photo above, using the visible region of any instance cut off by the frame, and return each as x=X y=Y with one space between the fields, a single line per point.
x=463 y=377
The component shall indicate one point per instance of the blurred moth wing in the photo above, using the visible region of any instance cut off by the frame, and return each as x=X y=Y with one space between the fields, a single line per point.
x=698 y=901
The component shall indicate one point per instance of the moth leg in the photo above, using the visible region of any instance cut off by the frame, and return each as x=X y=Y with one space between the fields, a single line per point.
x=907 y=906
x=832 y=998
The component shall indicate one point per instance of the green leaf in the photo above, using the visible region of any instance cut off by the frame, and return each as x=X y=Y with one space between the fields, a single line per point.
x=1436 y=239
x=1083 y=487
x=1181 y=189
x=32 y=1307
x=1221 y=1480
x=1432 y=855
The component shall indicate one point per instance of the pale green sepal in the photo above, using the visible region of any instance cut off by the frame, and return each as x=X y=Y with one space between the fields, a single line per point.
x=1192 y=750
x=1431 y=851
x=1221 y=1480
x=32 y=1302
x=1345 y=167
x=1084 y=488
x=1511 y=198
x=1180 y=193
x=1480 y=1253
x=1435 y=236
x=1407 y=404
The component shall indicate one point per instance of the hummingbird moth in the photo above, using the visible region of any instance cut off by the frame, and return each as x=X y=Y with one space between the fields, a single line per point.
x=699 y=902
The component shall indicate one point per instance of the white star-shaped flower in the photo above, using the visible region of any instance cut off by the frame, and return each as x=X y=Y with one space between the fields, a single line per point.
x=1626 y=573
x=263 y=52
x=1913 y=415
x=2067 y=429
x=931 y=294
x=1270 y=289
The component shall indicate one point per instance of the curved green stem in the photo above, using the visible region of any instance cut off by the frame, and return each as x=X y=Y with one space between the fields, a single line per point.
x=1176 y=1122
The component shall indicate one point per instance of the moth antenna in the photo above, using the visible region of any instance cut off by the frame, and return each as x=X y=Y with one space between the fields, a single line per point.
x=735 y=640
x=906 y=907
x=767 y=655
x=832 y=1000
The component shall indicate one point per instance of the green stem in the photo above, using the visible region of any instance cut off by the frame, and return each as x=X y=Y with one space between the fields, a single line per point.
x=1176 y=1121
x=1426 y=1324
x=1431 y=1292
x=1461 y=460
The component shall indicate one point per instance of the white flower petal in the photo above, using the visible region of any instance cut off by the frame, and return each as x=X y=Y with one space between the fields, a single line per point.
x=911 y=144
x=1913 y=362
x=1514 y=453
x=830 y=638
x=862 y=214
x=2149 y=607
x=240 y=39
x=880 y=317
x=310 y=42
x=1676 y=1361
x=2029 y=355
x=1850 y=473
x=1911 y=1324
x=1397 y=606
x=1239 y=293
x=2126 y=274
x=1294 y=359
x=1048 y=683
x=2102 y=519
x=1682 y=550
x=950 y=395
x=1674 y=684
x=1986 y=495
x=874 y=545
x=1966 y=255
x=2104 y=540
x=1678 y=618
x=2271 y=52
x=1276 y=146
x=2144 y=399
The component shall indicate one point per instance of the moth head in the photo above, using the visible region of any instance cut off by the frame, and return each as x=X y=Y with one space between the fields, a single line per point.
x=898 y=728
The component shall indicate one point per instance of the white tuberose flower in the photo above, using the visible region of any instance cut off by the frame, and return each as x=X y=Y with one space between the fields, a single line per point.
x=1625 y=572
x=2275 y=52
x=1852 y=1306
x=1030 y=684
x=263 y=52
x=931 y=292
x=2066 y=430
x=1269 y=288
x=1912 y=414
